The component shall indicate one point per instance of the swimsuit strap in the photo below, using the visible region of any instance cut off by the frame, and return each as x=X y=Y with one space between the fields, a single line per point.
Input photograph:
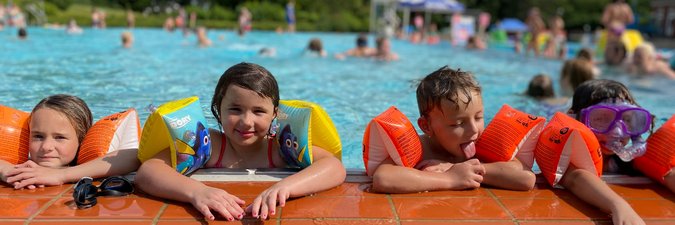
x=269 y=154
x=223 y=143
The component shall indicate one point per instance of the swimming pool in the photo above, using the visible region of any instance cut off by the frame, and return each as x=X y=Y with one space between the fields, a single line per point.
x=165 y=66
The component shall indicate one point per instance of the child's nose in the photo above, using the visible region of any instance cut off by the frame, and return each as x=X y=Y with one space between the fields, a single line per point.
x=48 y=145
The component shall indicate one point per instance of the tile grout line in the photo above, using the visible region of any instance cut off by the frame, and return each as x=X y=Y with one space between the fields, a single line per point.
x=280 y=211
x=159 y=213
x=393 y=209
x=49 y=203
x=501 y=204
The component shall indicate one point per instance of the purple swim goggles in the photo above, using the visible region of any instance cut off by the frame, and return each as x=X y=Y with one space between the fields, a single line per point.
x=617 y=122
x=601 y=118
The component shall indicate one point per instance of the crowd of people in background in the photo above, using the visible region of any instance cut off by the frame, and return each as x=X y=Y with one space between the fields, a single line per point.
x=542 y=39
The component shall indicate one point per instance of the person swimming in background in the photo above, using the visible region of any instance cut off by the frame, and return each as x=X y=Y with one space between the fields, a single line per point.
x=202 y=39
x=127 y=39
x=384 y=51
x=73 y=28
x=540 y=89
x=587 y=55
x=615 y=53
x=361 y=50
x=315 y=46
x=22 y=33
x=645 y=63
x=267 y=52
x=575 y=72
x=475 y=42
x=169 y=24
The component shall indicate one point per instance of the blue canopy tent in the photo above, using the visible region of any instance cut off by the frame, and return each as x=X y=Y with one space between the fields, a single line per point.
x=512 y=25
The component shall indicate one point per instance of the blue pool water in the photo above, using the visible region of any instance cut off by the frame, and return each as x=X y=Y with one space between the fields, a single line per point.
x=166 y=66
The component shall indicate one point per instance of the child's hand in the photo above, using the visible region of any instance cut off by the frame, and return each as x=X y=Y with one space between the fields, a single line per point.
x=466 y=175
x=433 y=165
x=266 y=203
x=227 y=205
x=624 y=214
x=31 y=175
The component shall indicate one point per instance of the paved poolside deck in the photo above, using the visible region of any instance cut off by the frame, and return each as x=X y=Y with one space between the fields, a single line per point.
x=349 y=203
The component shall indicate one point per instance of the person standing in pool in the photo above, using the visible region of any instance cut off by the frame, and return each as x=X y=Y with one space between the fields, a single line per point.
x=290 y=15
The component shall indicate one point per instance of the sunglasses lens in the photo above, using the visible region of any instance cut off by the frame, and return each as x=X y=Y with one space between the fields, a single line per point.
x=119 y=184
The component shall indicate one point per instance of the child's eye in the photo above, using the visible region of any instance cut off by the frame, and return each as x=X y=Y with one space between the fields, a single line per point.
x=234 y=109
x=38 y=137
x=60 y=137
x=259 y=111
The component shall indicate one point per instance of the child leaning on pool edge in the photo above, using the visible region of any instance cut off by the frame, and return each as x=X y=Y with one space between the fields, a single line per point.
x=451 y=117
x=245 y=102
x=57 y=125
x=599 y=95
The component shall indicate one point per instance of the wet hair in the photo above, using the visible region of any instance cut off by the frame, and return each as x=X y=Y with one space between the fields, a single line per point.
x=249 y=76
x=22 y=33
x=75 y=109
x=315 y=45
x=585 y=54
x=615 y=52
x=126 y=37
x=362 y=40
x=576 y=71
x=540 y=86
x=379 y=41
x=596 y=91
x=445 y=83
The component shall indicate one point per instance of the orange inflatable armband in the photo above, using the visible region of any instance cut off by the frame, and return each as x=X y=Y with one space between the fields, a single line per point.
x=566 y=141
x=121 y=130
x=390 y=134
x=14 y=135
x=511 y=134
x=660 y=155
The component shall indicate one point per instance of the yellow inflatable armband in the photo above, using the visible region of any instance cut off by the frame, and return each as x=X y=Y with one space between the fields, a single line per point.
x=630 y=38
x=181 y=127
x=303 y=125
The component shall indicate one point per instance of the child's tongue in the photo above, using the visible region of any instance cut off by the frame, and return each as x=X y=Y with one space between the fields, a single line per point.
x=469 y=149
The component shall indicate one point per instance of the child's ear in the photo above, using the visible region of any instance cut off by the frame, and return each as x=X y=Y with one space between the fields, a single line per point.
x=423 y=123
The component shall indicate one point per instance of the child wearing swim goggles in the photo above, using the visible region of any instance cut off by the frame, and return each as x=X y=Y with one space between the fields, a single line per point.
x=615 y=123
x=610 y=111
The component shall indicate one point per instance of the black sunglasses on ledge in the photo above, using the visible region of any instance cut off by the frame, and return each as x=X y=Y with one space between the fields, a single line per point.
x=86 y=192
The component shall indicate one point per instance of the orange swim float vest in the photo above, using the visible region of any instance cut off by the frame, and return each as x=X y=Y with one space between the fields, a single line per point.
x=14 y=135
x=390 y=134
x=660 y=156
x=511 y=134
x=117 y=131
x=566 y=141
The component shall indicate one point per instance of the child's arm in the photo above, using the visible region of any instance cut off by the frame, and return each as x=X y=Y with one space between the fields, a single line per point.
x=670 y=180
x=325 y=172
x=390 y=178
x=158 y=178
x=510 y=175
x=114 y=163
x=591 y=189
